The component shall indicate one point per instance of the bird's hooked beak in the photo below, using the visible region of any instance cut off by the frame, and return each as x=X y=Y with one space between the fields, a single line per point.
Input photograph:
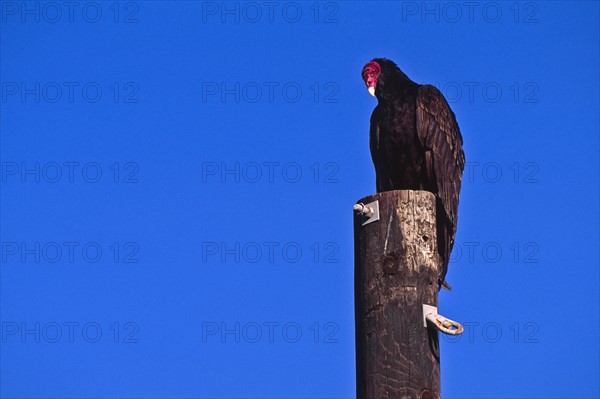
x=370 y=74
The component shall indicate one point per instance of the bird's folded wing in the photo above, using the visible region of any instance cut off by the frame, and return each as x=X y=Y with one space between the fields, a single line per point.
x=439 y=132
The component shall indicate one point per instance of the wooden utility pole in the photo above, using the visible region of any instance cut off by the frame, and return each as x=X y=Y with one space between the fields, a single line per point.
x=396 y=272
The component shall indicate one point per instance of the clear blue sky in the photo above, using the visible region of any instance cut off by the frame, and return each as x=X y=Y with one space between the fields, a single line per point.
x=178 y=179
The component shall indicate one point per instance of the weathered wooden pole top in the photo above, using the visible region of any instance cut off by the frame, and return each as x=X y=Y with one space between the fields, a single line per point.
x=397 y=267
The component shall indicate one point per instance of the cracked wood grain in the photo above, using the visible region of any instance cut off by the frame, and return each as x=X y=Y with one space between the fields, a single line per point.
x=396 y=270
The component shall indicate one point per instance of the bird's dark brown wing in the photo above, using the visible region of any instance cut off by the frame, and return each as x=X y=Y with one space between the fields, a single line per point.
x=439 y=133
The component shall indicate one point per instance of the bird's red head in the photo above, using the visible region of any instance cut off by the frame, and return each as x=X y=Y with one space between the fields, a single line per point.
x=370 y=73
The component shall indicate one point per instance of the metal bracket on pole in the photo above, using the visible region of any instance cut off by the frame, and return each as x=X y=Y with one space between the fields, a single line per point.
x=430 y=313
x=369 y=212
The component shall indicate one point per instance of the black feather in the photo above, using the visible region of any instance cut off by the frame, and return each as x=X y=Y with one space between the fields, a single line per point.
x=416 y=145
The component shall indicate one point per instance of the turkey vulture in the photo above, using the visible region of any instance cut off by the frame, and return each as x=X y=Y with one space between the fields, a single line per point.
x=416 y=145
